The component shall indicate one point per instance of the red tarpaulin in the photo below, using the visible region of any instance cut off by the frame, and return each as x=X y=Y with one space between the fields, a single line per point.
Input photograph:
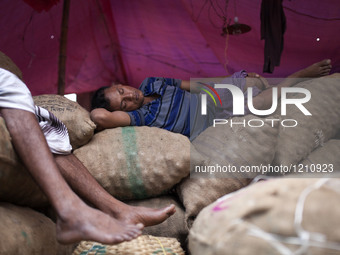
x=128 y=40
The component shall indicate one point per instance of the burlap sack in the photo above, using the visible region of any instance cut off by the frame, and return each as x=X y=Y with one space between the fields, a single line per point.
x=237 y=146
x=143 y=245
x=174 y=226
x=295 y=144
x=7 y=64
x=16 y=184
x=267 y=216
x=136 y=162
x=76 y=118
x=324 y=161
x=27 y=232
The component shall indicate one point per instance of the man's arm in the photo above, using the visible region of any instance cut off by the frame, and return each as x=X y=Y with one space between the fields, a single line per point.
x=105 y=119
x=185 y=85
x=194 y=88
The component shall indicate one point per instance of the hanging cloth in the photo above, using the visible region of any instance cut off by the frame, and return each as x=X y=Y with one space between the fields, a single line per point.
x=273 y=26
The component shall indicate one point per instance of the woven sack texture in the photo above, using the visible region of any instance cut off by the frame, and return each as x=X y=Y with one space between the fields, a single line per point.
x=143 y=245
x=7 y=64
x=326 y=154
x=265 y=216
x=174 y=226
x=76 y=118
x=224 y=145
x=27 y=232
x=324 y=161
x=136 y=162
x=295 y=144
x=16 y=184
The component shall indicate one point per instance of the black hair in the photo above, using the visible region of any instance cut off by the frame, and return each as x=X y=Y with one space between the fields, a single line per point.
x=99 y=100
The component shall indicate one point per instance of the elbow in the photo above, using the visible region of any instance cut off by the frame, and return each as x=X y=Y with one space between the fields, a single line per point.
x=98 y=117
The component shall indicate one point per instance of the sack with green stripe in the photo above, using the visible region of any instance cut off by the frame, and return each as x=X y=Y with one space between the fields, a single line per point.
x=136 y=162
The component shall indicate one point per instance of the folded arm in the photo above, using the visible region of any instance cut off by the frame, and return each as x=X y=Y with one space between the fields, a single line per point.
x=105 y=119
x=193 y=87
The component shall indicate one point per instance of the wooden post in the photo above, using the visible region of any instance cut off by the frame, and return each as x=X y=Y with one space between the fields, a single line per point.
x=62 y=48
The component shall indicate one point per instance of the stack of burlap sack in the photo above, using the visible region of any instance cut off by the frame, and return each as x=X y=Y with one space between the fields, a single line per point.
x=279 y=216
x=150 y=167
x=137 y=165
x=293 y=215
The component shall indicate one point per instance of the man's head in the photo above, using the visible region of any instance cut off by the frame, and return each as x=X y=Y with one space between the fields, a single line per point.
x=118 y=97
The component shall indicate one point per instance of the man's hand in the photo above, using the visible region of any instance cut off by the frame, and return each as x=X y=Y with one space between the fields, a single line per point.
x=264 y=83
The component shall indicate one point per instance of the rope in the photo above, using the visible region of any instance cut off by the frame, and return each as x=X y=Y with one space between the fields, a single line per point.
x=305 y=239
x=160 y=245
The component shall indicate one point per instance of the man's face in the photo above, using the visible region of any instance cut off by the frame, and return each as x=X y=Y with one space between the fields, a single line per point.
x=124 y=98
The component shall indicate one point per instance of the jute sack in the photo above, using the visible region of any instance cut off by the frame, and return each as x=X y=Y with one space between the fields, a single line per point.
x=324 y=161
x=16 y=184
x=27 y=232
x=271 y=217
x=7 y=64
x=174 y=226
x=76 y=118
x=143 y=245
x=235 y=146
x=136 y=162
x=295 y=144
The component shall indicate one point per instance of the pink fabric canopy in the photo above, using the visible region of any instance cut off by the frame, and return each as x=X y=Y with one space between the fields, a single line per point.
x=128 y=40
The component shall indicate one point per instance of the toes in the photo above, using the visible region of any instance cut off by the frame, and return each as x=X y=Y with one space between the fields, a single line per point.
x=140 y=226
x=127 y=237
x=170 y=210
x=170 y=207
x=325 y=62
x=117 y=239
x=325 y=71
x=326 y=68
x=136 y=231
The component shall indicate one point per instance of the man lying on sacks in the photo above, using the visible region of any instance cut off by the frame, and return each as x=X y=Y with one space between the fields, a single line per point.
x=167 y=103
x=46 y=152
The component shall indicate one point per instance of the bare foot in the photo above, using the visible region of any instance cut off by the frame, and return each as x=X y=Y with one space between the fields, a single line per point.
x=86 y=223
x=318 y=69
x=138 y=214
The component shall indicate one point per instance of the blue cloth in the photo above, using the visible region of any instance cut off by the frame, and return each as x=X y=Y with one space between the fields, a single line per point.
x=169 y=111
x=178 y=111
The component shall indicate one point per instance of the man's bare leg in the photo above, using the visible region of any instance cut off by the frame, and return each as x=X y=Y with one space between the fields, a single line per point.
x=318 y=69
x=264 y=99
x=89 y=189
x=75 y=220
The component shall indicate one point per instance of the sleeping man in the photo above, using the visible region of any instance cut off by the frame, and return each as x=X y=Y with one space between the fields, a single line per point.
x=166 y=103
